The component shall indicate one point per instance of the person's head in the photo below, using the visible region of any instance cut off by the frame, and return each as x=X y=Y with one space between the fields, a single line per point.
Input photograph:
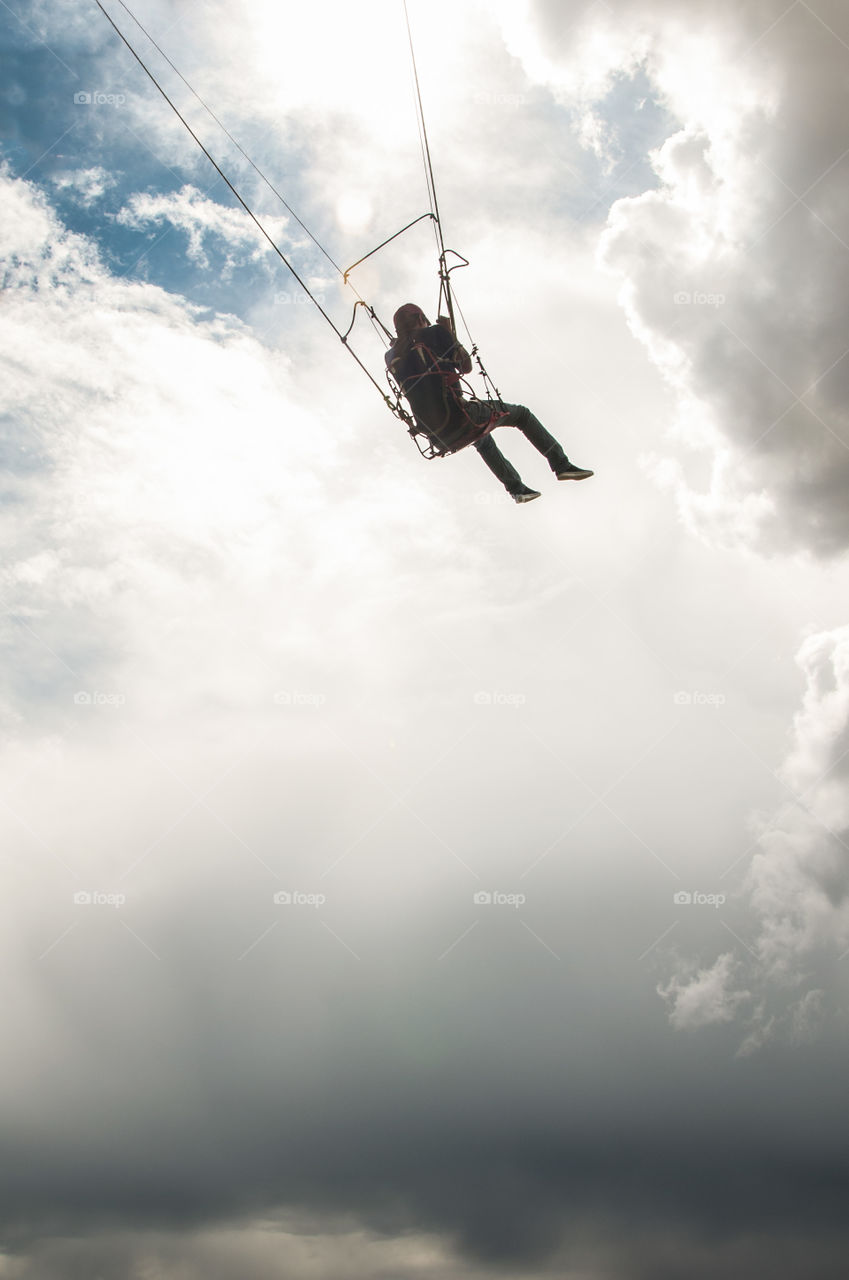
x=409 y=318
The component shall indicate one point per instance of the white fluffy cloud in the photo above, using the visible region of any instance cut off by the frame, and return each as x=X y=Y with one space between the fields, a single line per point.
x=190 y=211
x=796 y=892
x=734 y=275
x=735 y=271
x=704 y=998
x=88 y=184
x=799 y=881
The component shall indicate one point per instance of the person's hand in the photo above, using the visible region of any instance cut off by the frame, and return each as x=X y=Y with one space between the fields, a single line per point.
x=445 y=321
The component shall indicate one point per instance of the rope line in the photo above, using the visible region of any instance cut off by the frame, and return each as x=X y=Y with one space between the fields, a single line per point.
x=444 y=283
x=379 y=328
x=235 y=141
x=245 y=205
x=445 y=286
x=445 y=289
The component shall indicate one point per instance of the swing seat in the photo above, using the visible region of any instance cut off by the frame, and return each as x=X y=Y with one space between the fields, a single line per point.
x=428 y=442
x=429 y=446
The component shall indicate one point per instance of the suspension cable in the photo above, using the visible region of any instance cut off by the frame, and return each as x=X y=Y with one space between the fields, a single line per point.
x=235 y=142
x=342 y=337
x=445 y=287
x=444 y=282
x=379 y=328
x=444 y=271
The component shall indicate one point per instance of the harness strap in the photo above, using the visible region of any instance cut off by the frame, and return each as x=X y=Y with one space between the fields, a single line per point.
x=453 y=384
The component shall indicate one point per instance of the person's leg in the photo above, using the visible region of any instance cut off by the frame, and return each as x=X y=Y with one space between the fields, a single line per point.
x=498 y=465
x=517 y=415
x=480 y=411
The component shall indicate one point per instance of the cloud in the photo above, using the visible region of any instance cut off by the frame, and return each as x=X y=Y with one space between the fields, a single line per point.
x=140 y=440
x=799 y=880
x=705 y=998
x=199 y=217
x=279 y=621
x=796 y=892
x=258 y=1251
x=88 y=184
x=735 y=269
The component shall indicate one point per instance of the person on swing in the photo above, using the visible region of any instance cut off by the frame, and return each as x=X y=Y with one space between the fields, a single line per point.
x=426 y=361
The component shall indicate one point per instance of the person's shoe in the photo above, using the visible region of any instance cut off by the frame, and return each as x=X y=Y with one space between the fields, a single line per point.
x=525 y=494
x=571 y=472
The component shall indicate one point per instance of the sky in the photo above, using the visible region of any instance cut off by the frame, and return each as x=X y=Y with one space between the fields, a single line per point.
x=400 y=883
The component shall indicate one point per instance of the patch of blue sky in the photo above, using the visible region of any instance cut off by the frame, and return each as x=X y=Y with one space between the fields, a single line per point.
x=577 y=162
x=631 y=122
x=82 y=146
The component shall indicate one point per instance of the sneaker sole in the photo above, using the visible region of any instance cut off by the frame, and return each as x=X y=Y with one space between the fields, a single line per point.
x=525 y=497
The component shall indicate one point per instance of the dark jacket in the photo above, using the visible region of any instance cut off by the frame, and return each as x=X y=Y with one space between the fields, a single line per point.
x=427 y=371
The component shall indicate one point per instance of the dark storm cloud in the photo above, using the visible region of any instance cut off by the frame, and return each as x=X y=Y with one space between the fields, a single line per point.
x=516 y=1169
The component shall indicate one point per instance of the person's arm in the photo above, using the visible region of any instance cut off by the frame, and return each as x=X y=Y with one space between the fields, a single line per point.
x=460 y=355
